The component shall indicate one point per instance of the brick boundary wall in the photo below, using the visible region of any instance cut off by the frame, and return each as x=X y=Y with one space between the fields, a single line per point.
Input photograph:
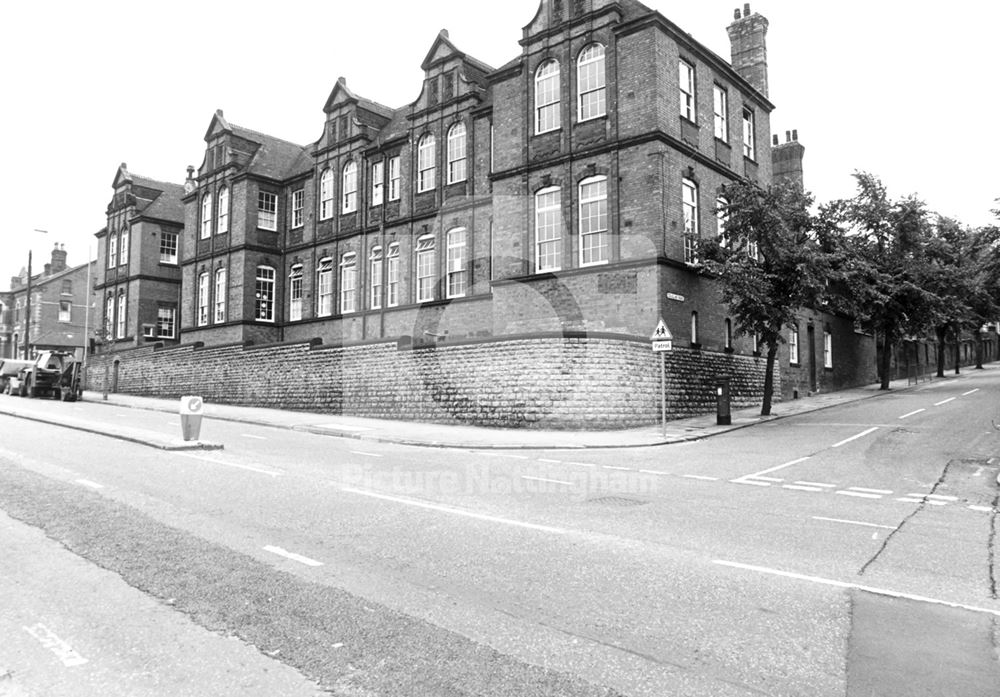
x=559 y=381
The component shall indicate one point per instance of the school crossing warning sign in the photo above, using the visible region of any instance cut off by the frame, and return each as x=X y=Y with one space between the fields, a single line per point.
x=662 y=339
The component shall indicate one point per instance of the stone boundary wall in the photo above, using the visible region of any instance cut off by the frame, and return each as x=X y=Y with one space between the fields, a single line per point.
x=540 y=381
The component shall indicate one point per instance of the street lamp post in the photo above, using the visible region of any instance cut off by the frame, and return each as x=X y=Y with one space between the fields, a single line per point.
x=27 y=319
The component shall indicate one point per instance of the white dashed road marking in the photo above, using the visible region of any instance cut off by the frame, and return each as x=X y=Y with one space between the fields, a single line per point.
x=695 y=476
x=855 y=437
x=912 y=413
x=250 y=435
x=858 y=494
x=853 y=522
x=944 y=401
x=362 y=452
x=966 y=394
x=870 y=491
x=63 y=651
x=88 y=483
x=801 y=487
x=622 y=469
x=819 y=484
x=293 y=556
x=554 y=462
x=751 y=482
x=757 y=475
x=543 y=479
x=249 y=468
x=981 y=509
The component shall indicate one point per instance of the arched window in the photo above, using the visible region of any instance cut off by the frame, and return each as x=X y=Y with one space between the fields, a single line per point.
x=375 y=278
x=112 y=250
x=109 y=316
x=123 y=247
x=729 y=333
x=222 y=224
x=456 y=153
x=594 y=221
x=348 y=282
x=547 y=97
x=689 y=204
x=203 y=299
x=592 y=99
x=324 y=287
x=295 y=293
x=694 y=327
x=264 y=294
x=326 y=194
x=350 y=187
x=426 y=268
x=121 y=315
x=426 y=163
x=548 y=229
x=206 y=216
x=221 y=291
x=456 y=239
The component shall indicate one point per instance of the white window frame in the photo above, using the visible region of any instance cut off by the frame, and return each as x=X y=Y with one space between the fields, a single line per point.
x=298 y=208
x=122 y=325
x=166 y=317
x=267 y=211
x=392 y=275
x=694 y=327
x=349 y=182
x=827 y=349
x=264 y=289
x=594 y=221
x=295 y=293
x=425 y=265
x=395 y=178
x=166 y=255
x=548 y=229
x=66 y=315
x=112 y=250
x=727 y=329
x=686 y=84
x=457 y=282
x=721 y=216
x=109 y=314
x=749 y=134
x=793 y=346
x=348 y=283
x=591 y=83
x=426 y=163
x=222 y=215
x=203 y=300
x=456 y=153
x=221 y=293
x=378 y=183
x=375 y=278
x=324 y=287
x=689 y=206
x=206 y=215
x=721 y=108
x=123 y=247
x=547 y=97
x=326 y=194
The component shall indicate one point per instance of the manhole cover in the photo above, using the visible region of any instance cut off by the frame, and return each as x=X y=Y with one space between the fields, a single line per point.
x=621 y=501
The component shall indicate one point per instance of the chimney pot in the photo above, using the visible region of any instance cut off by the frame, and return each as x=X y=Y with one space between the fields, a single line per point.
x=795 y=136
x=775 y=139
x=788 y=136
x=746 y=9
x=736 y=13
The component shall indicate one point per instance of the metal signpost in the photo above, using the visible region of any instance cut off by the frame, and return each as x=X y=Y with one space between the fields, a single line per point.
x=663 y=341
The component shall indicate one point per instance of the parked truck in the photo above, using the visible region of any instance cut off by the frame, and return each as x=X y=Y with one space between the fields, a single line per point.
x=53 y=374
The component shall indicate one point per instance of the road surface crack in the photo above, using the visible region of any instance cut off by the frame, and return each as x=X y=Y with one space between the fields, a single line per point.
x=992 y=546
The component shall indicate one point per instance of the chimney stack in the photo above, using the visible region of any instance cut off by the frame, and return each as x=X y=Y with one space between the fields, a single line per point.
x=747 y=36
x=786 y=159
x=58 y=259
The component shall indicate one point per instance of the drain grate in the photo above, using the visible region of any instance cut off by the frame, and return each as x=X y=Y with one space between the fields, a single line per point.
x=620 y=501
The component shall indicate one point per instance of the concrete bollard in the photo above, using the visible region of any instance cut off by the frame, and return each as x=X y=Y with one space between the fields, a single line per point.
x=192 y=409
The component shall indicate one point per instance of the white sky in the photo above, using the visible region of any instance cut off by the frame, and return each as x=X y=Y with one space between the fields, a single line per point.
x=903 y=90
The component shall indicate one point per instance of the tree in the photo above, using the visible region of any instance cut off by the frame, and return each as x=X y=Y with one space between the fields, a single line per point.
x=881 y=263
x=768 y=261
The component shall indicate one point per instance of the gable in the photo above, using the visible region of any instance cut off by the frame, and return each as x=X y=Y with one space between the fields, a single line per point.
x=122 y=177
x=339 y=96
x=442 y=49
x=218 y=126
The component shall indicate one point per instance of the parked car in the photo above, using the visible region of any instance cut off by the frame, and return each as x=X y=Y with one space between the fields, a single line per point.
x=9 y=368
x=53 y=373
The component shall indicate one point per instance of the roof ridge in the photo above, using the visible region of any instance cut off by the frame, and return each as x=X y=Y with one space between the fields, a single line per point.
x=265 y=135
x=134 y=176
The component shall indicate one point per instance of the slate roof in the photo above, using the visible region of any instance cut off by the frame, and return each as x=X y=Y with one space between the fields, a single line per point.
x=166 y=206
x=275 y=158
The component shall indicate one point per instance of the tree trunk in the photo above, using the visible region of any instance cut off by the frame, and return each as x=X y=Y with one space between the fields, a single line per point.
x=886 y=359
x=958 y=349
x=941 y=333
x=772 y=351
x=979 y=350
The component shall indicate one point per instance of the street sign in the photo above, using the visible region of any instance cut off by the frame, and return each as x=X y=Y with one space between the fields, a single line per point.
x=663 y=345
x=191 y=405
x=661 y=333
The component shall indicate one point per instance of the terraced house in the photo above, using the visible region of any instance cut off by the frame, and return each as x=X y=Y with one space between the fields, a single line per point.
x=554 y=201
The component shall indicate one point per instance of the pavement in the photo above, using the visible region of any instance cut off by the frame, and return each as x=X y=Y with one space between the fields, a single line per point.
x=433 y=434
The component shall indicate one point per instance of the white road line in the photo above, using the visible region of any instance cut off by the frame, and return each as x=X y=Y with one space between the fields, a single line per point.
x=580 y=464
x=819 y=484
x=910 y=500
x=554 y=462
x=517 y=457
x=912 y=413
x=856 y=586
x=966 y=394
x=173 y=423
x=293 y=556
x=855 y=437
x=767 y=479
x=250 y=435
x=750 y=482
x=697 y=476
x=937 y=503
x=362 y=452
x=63 y=651
x=853 y=522
x=941 y=497
x=622 y=469
x=800 y=487
x=92 y=485
x=870 y=491
x=453 y=511
x=660 y=474
x=756 y=475
x=858 y=494
x=543 y=479
x=945 y=401
x=249 y=468
x=981 y=509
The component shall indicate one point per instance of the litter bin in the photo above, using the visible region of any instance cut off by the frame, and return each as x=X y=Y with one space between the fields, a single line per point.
x=192 y=409
x=723 y=417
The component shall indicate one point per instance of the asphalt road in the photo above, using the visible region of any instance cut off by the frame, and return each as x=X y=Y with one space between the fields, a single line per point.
x=849 y=551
